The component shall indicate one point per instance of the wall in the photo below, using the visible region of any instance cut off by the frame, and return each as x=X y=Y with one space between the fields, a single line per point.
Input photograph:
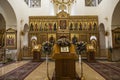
x=105 y=12
x=45 y=9
x=79 y=8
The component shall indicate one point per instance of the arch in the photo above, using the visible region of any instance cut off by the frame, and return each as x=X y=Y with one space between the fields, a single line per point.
x=2 y=22
x=26 y=27
x=2 y=30
x=116 y=15
x=102 y=35
x=8 y=12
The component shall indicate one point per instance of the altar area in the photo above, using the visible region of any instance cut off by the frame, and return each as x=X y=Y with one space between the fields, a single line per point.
x=51 y=28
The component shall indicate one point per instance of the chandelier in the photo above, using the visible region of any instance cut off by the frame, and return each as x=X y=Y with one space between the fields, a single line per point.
x=65 y=2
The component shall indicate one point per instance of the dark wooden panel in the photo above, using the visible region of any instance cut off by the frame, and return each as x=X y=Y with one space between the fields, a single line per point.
x=65 y=68
x=36 y=55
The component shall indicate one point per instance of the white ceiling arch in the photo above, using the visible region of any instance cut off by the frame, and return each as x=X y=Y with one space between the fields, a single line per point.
x=8 y=13
x=116 y=15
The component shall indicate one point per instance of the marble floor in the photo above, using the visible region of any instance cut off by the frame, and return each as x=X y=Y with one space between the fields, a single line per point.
x=40 y=72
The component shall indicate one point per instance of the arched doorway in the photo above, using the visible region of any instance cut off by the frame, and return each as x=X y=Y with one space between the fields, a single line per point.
x=116 y=25
x=25 y=36
x=2 y=30
x=2 y=37
x=7 y=20
x=102 y=39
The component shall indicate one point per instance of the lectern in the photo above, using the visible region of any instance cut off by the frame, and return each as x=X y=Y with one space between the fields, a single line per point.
x=90 y=53
x=36 y=52
x=64 y=63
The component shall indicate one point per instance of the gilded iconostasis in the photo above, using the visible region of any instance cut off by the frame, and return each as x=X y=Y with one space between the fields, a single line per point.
x=45 y=27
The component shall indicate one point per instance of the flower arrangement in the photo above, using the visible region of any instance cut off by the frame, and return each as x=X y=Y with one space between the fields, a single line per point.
x=80 y=47
x=47 y=47
x=63 y=42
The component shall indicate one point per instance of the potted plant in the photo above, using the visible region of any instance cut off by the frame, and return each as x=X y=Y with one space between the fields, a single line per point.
x=80 y=49
x=47 y=50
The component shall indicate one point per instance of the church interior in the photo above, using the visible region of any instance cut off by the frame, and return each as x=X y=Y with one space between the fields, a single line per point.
x=59 y=39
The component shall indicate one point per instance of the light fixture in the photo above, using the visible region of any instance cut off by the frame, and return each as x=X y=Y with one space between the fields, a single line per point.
x=66 y=2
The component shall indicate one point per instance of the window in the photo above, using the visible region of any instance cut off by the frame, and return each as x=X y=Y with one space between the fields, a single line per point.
x=99 y=1
x=90 y=2
x=33 y=3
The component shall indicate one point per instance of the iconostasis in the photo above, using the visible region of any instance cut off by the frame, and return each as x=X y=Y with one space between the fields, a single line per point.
x=45 y=27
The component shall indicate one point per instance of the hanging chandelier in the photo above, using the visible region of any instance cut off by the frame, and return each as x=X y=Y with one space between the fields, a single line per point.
x=65 y=2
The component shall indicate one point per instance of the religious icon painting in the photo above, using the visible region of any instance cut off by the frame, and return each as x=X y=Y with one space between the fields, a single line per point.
x=70 y=26
x=80 y=26
x=94 y=25
x=63 y=24
x=90 y=26
x=52 y=38
x=55 y=26
x=74 y=37
x=50 y=26
x=11 y=39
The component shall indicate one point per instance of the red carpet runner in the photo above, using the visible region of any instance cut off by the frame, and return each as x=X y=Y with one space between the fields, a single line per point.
x=21 y=72
x=110 y=71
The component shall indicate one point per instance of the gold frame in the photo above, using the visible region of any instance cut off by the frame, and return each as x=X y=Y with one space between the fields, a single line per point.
x=64 y=27
x=11 y=39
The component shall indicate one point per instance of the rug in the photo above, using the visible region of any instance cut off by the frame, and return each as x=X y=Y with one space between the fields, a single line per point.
x=109 y=71
x=21 y=72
